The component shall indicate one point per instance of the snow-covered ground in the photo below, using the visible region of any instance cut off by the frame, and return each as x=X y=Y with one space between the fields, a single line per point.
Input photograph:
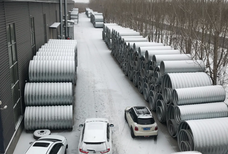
x=103 y=90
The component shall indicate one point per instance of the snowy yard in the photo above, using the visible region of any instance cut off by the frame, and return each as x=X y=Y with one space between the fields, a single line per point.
x=103 y=90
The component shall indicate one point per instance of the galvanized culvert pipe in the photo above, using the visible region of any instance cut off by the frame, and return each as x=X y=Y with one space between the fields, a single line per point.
x=70 y=58
x=208 y=136
x=151 y=97
x=42 y=94
x=162 y=51
x=181 y=66
x=52 y=71
x=48 y=117
x=161 y=110
x=195 y=95
x=185 y=80
x=200 y=111
x=157 y=59
x=187 y=152
x=170 y=122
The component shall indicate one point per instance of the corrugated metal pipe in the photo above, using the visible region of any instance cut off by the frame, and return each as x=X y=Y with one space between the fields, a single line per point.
x=52 y=71
x=48 y=117
x=41 y=94
x=157 y=59
x=187 y=152
x=181 y=66
x=209 y=136
x=195 y=95
x=200 y=111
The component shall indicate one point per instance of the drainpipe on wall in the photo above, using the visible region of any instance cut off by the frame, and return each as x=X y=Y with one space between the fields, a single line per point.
x=65 y=19
x=61 y=18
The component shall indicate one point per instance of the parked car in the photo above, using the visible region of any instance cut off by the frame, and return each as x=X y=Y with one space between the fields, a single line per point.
x=52 y=144
x=141 y=121
x=96 y=137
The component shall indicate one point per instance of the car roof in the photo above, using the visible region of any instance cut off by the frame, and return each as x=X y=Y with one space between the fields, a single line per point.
x=39 y=149
x=95 y=131
x=96 y=120
x=142 y=112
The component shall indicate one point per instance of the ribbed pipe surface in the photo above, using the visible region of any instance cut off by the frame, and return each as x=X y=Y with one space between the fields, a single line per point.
x=186 y=80
x=209 y=136
x=182 y=66
x=194 y=95
x=48 y=117
x=70 y=58
x=157 y=59
x=187 y=152
x=200 y=111
x=98 y=24
x=52 y=71
x=42 y=94
x=150 y=53
x=161 y=110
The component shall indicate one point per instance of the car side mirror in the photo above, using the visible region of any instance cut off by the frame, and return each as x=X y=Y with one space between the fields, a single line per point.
x=81 y=125
x=111 y=125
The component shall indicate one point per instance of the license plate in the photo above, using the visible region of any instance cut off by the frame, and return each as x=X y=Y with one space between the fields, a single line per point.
x=146 y=128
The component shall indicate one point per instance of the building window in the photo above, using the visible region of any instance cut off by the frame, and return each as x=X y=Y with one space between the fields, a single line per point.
x=45 y=28
x=32 y=31
x=13 y=64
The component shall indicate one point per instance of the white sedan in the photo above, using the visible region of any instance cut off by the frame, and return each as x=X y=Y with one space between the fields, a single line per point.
x=52 y=144
x=96 y=137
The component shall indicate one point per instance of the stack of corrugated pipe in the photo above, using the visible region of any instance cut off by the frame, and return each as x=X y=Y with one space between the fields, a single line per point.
x=176 y=88
x=74 y=14
x=88 y=12
x=49 y=94
x=97 y=19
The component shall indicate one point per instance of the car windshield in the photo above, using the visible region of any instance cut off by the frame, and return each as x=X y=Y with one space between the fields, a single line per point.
x=49 y=139
x=145 y=121
x=39 y=144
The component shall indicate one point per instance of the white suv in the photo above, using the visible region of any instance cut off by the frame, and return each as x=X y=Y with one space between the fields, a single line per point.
x=141 y=121
x=96 y=137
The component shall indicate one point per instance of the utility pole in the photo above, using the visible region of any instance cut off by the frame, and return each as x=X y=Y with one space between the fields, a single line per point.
x=61 y=18
x=65 y=9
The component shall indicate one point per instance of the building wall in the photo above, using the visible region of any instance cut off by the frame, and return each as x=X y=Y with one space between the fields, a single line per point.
x=20 y=13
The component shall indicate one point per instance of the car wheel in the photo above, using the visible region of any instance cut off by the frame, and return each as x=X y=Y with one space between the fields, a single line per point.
x=155 y=138
x=125 y=117
x=67 y=146
x=132 y=133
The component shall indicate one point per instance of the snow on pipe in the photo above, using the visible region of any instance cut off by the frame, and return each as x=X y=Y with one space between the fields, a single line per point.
x=185 y=80
x=187 y=152
x=37 y=94
x=209 y=136
x=181 y=66
x=195 y=95
x=157 y=59
x=52 y=71
x=48 y=117
x=200 y=111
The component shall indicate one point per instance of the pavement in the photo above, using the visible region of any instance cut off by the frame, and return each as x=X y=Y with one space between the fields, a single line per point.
x=102 y=90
